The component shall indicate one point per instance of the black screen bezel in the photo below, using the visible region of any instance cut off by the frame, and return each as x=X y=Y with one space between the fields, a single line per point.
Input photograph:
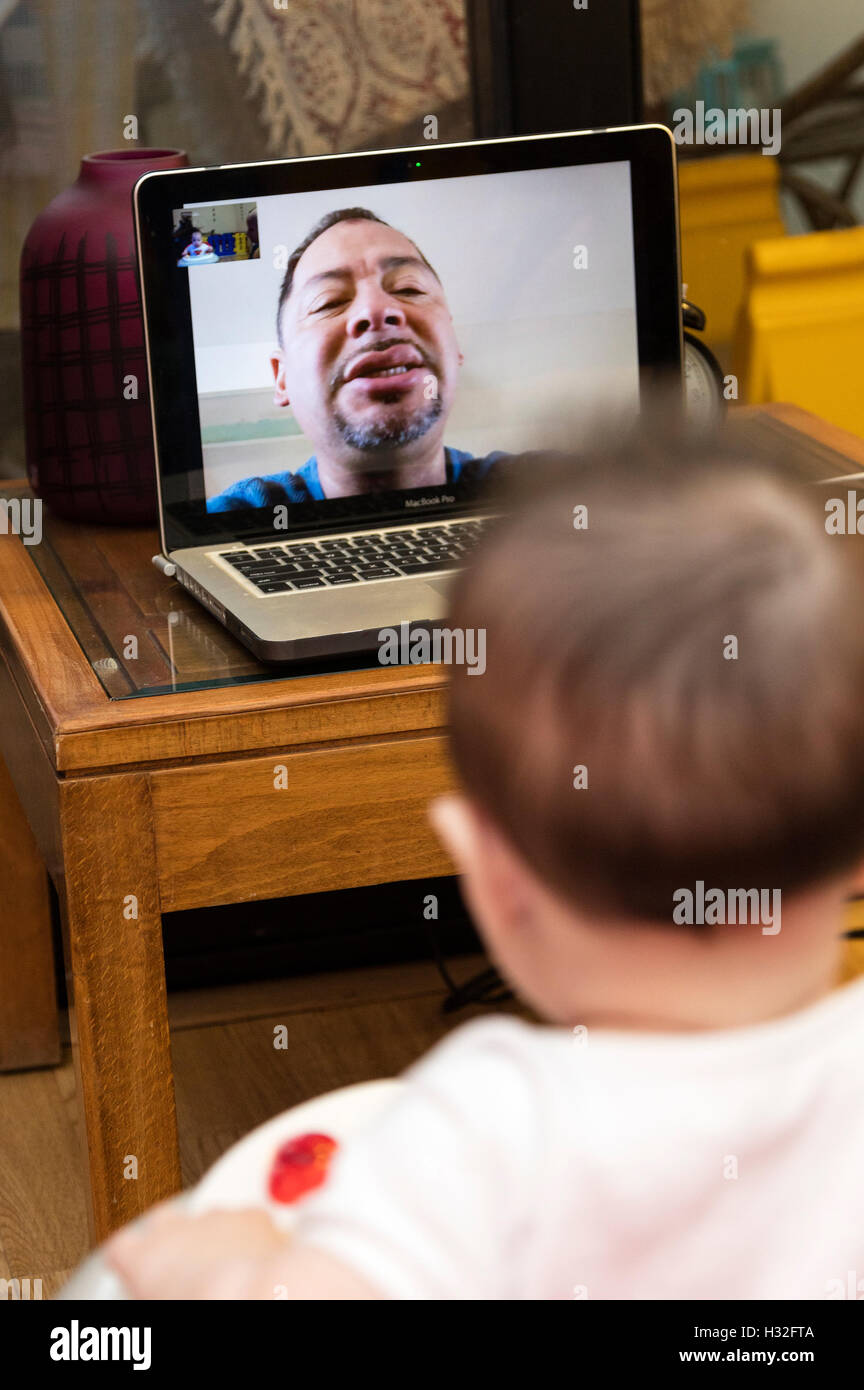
x=185 y=521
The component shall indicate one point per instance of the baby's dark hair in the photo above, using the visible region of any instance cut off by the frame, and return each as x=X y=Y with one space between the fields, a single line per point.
x=697 y=648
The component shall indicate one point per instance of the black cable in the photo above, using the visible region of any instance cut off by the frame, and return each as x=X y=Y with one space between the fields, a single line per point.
x=476 y=990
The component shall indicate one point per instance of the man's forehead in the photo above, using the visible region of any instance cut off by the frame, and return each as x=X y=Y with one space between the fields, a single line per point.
x=350 y=245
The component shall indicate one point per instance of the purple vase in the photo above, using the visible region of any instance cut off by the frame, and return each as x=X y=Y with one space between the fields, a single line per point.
x=86 y=402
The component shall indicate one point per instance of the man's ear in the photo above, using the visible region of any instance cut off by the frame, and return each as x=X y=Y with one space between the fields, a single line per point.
x=280 y=389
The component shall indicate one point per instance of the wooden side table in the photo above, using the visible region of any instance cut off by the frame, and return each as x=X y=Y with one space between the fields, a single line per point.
x=151 y=764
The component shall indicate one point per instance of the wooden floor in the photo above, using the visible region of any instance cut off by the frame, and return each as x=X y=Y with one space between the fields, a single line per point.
x=342 y=1028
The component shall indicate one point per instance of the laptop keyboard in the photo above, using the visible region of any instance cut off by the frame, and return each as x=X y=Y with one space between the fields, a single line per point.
x=358 y=559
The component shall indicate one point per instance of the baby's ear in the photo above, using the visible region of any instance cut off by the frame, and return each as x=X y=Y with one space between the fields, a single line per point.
x=498 y=889
x=477 y=847
x=856 y=880
x=455 y=822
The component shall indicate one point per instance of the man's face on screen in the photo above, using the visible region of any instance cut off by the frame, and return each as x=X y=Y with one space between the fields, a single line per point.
x=369 y=358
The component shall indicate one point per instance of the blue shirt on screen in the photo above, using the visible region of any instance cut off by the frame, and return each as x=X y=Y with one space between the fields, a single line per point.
x=305 y=486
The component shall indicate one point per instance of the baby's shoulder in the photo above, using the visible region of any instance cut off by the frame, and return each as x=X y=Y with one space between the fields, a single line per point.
x=491 y=1051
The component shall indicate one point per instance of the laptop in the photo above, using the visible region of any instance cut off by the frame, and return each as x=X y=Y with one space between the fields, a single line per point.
x=344 y=353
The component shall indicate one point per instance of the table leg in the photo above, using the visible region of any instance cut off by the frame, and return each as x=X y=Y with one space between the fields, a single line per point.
x=29 y=1033
x=116 y=973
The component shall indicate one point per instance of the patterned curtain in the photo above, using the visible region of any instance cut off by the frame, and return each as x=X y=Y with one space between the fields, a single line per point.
x=67 y=79
x=329 y=76
x=679 y=35
x=226 y=80
x=270 y=78
x=229 y=80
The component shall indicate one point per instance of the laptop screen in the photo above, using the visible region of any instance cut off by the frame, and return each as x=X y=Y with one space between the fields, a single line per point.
x=400 y=338
x=369 y=336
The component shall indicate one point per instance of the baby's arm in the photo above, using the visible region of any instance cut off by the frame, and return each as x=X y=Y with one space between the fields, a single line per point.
x=426 y=1202
x=226 y=1255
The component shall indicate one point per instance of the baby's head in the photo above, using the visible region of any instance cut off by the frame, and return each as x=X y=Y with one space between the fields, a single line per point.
x=673 y=697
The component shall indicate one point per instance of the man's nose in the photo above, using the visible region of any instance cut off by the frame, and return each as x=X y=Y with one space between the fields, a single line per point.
x=372 y=311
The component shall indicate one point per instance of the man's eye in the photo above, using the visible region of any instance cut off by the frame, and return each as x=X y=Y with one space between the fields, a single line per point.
x=409 y=289
x=329 y=304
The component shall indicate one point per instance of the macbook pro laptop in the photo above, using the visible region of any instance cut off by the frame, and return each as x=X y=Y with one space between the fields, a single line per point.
x=343 y=352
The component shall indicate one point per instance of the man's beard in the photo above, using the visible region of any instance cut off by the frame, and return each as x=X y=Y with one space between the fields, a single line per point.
x=381 y=435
